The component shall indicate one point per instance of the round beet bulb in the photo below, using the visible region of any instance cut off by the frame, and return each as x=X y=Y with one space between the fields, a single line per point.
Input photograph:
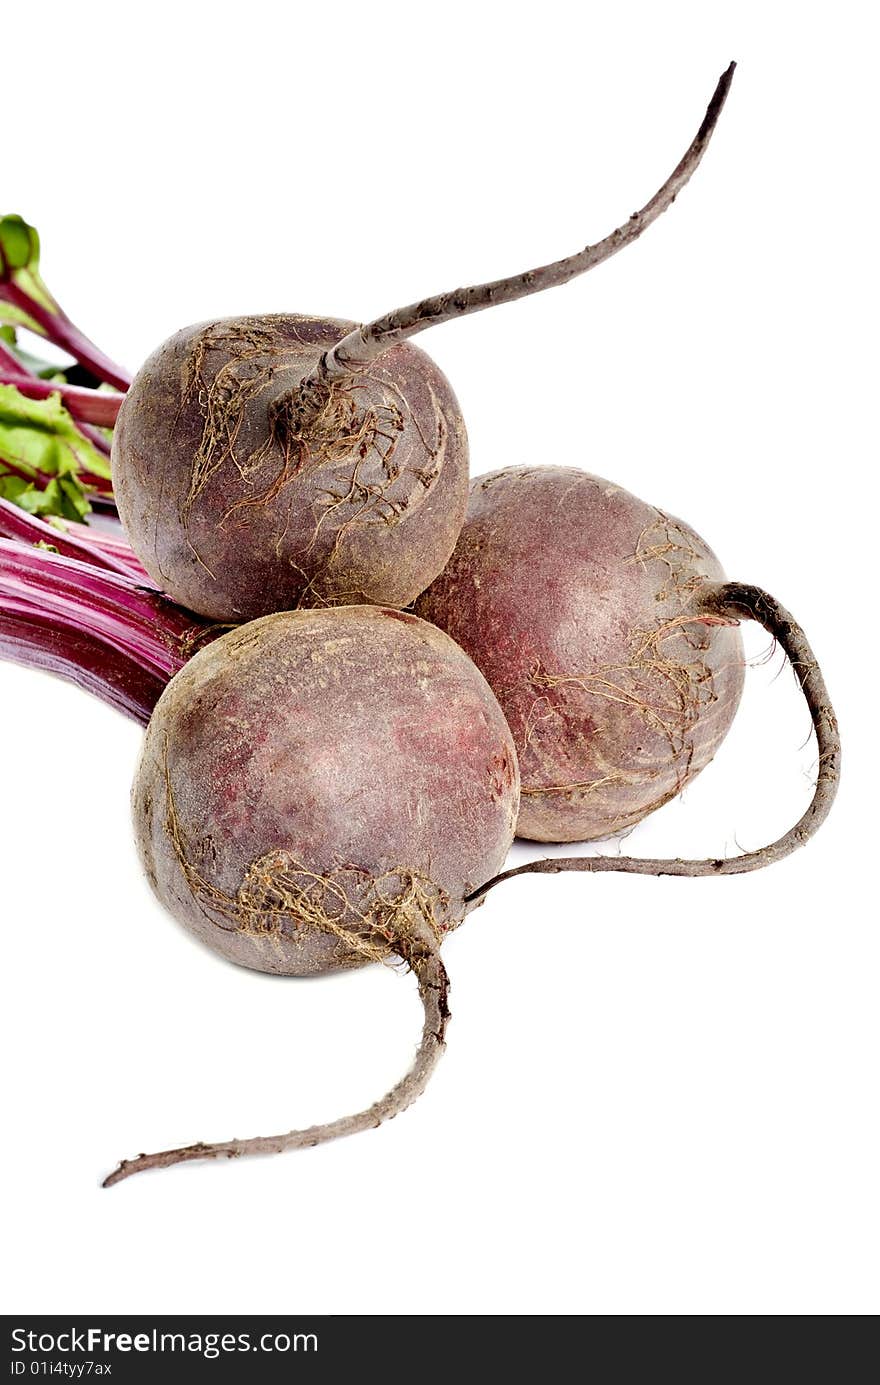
x=313 y=770
x=575 y=600
x=235 y=513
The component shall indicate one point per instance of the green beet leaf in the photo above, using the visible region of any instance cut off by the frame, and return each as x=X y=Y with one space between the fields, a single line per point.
x=42 y=456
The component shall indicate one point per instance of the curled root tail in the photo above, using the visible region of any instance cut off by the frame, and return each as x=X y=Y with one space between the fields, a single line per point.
x=422 y=958
x=360 y=347
x=733 y=601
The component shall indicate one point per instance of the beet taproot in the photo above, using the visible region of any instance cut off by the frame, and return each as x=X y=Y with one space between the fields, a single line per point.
x=269 y=463
x=321 y=789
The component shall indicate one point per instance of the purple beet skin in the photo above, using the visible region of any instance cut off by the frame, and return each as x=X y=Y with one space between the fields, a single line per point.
x=317 y=781
x=237 y=506
x=574 y=599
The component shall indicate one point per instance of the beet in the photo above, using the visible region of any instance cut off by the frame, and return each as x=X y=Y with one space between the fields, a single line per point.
x=574 y=599
x=608 y=634
x=268 y=463
x=322 y=789
x=234 y=522
x=361 y=743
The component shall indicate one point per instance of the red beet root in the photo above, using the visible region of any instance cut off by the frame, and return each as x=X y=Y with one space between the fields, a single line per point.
x=268 y=463
x=575 y=600
x=321 y=789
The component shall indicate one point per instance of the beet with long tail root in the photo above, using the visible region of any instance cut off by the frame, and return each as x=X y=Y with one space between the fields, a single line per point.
x=322 y=789
x=267 y=463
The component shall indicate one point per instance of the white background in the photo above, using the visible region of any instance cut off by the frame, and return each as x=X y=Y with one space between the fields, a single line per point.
x=660 y=1096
